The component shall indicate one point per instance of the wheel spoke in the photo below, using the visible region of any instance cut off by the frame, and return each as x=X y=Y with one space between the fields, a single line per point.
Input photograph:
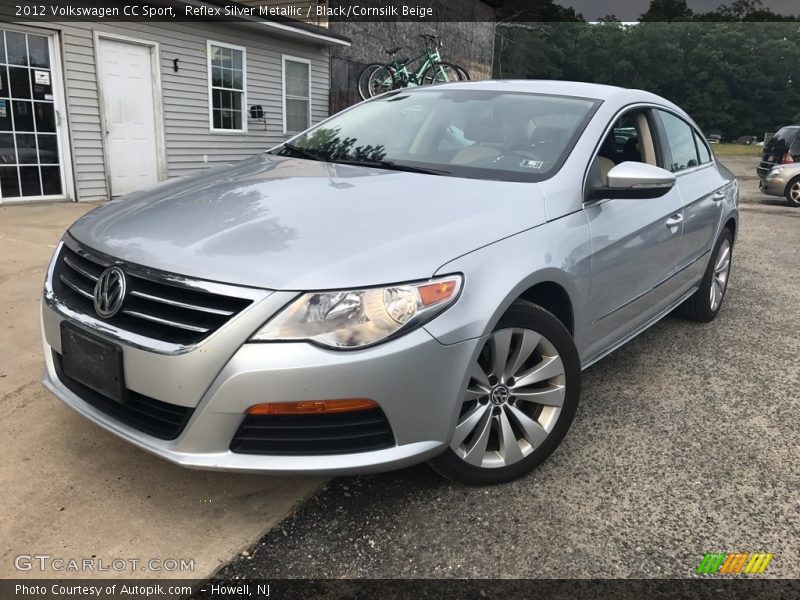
x=468 y=424
x=479 y=375
x=713 y=295
x=509 y=446
x=551 y=366
x=475 y=454
x=500 y=343
x=723 y=259
x=523 y=351
x=474 y=392
x=534 y=433
x=549 y=396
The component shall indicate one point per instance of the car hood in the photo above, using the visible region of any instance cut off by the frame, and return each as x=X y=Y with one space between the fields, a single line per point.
x=292 y=224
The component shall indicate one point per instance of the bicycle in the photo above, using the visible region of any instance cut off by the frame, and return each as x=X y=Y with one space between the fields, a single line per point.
x=377 y=78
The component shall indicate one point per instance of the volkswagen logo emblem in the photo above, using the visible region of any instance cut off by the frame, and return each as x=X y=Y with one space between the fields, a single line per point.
x=109 y=292
x=499 y=395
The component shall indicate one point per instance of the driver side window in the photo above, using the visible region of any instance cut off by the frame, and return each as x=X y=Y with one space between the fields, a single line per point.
x=629 y=140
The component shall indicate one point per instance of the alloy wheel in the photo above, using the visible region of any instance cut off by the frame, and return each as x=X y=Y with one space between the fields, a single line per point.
x=794 y=193
x=513 y=399
x=719 y=278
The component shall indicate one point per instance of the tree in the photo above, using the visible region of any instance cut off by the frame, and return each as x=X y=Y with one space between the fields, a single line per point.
x=536 y=11
x=667 y=10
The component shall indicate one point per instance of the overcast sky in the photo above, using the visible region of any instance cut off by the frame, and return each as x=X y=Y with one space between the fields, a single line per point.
x=629 y=10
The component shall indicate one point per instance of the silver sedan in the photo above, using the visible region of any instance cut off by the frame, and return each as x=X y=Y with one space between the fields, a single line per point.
x=783 y=180
x=420 y=277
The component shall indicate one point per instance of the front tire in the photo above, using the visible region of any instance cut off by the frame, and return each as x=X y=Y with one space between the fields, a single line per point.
x=793 y=192
x=519 y=402
x=704 y=305
x=442 y=72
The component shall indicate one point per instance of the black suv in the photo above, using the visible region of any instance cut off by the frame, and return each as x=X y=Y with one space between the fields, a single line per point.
x=782 y=148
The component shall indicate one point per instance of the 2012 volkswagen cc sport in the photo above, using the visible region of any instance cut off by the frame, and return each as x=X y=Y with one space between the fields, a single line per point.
x=420 y=277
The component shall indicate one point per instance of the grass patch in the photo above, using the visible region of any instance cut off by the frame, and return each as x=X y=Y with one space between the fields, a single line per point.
x=736 y=150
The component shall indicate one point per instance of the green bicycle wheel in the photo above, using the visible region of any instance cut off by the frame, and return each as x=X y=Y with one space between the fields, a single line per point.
x=442 y=72
x=381 y=80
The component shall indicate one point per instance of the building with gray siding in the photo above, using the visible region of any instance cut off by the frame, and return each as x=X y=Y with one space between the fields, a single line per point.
x=93 y=110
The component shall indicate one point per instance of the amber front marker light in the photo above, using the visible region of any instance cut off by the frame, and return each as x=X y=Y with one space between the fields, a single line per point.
x=436 y=292
x=312 y=407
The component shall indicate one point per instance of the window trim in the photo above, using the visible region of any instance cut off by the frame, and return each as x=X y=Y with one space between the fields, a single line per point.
x=289 y=57
x=243 y=50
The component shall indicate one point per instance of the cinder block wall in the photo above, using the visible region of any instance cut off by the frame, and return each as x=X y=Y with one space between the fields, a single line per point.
x=468 y=43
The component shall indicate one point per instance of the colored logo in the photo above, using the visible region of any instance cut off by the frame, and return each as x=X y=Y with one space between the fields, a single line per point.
x=728 y=563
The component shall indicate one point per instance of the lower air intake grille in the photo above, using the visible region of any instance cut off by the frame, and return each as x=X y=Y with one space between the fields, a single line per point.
x=148 y=415
x=336 y=433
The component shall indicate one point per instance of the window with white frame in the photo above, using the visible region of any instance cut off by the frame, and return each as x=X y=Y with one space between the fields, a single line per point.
x=227 y=97
x=296 y=94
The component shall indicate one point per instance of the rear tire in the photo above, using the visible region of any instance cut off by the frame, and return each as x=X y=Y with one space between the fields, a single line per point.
x=363 y=79
x=793 y=192
x=704 y=305
x=381 y=80
x=519 y=402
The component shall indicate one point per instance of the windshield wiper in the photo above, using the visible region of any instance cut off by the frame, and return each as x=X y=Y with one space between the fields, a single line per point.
x=391 y=165
x=302 y=151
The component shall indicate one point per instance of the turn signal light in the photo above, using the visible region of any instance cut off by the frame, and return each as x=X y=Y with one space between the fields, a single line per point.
x=436 y=292
x=312 y=407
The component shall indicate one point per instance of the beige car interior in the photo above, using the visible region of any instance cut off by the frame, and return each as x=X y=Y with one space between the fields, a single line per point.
x=639 y=148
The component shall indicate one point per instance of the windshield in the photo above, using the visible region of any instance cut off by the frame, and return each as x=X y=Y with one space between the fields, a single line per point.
x=465 y=133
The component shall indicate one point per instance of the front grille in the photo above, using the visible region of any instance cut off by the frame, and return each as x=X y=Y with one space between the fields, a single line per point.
x=148 y=415
x=335 y=433
x=152 y=308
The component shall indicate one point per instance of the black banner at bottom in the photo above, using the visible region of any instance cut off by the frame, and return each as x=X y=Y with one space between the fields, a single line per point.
x=401 y=589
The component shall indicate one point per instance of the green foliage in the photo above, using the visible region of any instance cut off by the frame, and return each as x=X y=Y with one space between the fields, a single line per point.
x=733 y=78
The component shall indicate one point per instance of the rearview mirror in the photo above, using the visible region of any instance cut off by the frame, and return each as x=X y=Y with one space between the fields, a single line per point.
x=634 y=180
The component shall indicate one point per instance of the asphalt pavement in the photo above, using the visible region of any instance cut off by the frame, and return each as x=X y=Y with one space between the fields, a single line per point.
x=686 y=441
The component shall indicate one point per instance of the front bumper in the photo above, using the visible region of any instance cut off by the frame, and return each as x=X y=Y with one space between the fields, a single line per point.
x=774 y=186
x=415 y=380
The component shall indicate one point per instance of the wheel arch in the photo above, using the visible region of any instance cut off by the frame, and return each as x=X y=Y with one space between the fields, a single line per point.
x=731 y=225
x=554 y=298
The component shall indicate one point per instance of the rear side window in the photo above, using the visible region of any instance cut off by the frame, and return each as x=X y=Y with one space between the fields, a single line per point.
x=680 y=140
x=702 y=149
x=782 y=141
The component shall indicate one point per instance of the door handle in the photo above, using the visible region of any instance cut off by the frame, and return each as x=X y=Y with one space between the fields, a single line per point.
x=718 y=195
x=675 y=220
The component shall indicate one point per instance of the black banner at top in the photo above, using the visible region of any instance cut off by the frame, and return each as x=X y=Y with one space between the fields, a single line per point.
x=323 y=12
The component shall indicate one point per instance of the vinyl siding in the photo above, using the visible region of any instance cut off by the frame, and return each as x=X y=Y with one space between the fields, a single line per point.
x=184 y=98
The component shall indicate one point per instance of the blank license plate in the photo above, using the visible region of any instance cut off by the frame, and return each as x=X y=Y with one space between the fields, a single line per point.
x=93 y=362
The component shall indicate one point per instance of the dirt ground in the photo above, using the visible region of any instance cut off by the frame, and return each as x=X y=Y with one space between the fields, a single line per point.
x=71 y=490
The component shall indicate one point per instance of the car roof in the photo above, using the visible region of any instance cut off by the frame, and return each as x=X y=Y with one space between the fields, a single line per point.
x=564 y=88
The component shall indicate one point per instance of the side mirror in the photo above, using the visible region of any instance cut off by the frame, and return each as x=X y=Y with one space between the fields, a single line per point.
x=634 y=180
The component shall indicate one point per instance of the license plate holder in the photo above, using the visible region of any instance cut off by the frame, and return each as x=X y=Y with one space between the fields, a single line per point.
x=93 y=362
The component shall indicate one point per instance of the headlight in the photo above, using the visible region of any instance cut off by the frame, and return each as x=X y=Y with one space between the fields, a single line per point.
x=774 y=172
x=357 y=318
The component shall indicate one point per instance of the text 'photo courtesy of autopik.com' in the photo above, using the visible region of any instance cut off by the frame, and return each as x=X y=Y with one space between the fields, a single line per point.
x=453 y=299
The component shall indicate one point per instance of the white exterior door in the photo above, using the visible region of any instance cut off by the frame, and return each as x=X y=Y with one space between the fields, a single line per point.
x=126 y=79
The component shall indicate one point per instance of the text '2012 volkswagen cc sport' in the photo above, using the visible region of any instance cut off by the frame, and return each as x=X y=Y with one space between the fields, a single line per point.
x=420 y=277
